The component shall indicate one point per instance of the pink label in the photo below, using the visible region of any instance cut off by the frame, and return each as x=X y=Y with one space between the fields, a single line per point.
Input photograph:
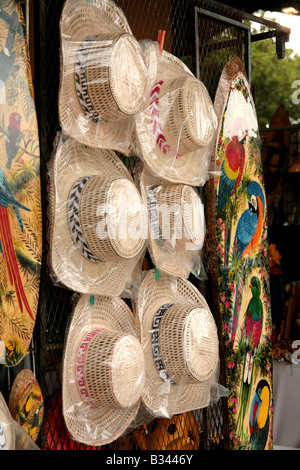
x=155 y=118
x=79 y=367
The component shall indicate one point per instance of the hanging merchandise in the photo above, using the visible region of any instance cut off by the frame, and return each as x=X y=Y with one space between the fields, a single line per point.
x=26 y=403
x=103 y=371
x=104 y=79
x=20 y=197
x=180 y=342
x=237 y=227
x=176 y=227
x=98 y=222
x=176 y=127
x=12 y=435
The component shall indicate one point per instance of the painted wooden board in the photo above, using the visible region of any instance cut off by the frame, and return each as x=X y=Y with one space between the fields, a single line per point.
x=26 y=403
x=237 y=224
x=20 y=196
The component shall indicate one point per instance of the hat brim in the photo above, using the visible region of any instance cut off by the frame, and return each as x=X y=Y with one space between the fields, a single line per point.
x=104 y=424
x=6 y=426
x=69 y=267
x=191 y=168
x=171 y=261
x=162 y=398
x=79 y=20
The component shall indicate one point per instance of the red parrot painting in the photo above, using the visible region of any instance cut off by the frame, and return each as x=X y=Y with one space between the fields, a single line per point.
x=6 y=241
x=233 y=163
x=13 y=137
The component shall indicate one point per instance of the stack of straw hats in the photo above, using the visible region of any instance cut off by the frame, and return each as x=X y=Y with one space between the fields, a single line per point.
x=135 y=341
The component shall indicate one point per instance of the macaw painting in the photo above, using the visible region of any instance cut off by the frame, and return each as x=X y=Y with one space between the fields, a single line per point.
x=243 y=262
x=20 y=197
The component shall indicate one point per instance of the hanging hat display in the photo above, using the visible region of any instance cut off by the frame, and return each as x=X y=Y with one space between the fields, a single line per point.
x=179 y=338
x=103 y=370
x=104 y=78
x=175 y=130
x=176 y=225
x=98 y=222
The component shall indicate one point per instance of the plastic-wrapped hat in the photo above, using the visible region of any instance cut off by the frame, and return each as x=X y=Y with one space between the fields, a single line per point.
x=174 y=132
x=176 y=225
x=98 y=222
x=104 y=79
x=180 y=342
x=103 y=370
x=7 y=432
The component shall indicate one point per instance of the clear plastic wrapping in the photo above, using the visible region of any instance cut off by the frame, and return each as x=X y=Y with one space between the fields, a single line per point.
x=98 y=221
x=180 y=343
x=176 y=226
x=175 y=130
x=12 y=435
x=104 y=79
x=103 y=370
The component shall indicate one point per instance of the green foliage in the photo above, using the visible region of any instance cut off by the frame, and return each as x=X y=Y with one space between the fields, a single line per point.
x=272 y=81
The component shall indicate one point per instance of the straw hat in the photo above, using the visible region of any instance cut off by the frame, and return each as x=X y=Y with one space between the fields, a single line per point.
x=180 y=343
x=98 y=222
x=7 y=432
x=176 y=224
x=104 y=78
x=175 y=131
x=103 y=370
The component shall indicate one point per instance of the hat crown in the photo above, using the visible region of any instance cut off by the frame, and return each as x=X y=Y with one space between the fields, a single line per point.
x=111 y=76
x=111 y=217
x=186 y=114
x=110 y=369
x=180 y=214
x=188 y=345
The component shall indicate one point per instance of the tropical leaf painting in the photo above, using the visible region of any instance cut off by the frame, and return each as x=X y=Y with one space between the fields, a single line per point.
x=243 y=266
x=20 y=196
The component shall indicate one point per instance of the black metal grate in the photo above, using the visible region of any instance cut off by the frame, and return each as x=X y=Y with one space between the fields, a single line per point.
x=216 y=42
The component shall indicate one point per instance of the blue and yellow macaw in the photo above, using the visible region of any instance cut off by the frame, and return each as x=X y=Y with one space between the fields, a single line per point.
x=247 y=237
x=250 y=225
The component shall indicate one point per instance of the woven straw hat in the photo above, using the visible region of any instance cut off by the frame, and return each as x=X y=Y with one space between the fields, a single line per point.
x=98 y=222
x=175 y=130
x=176 y=224
x=104 y=78
x=103 y=370
x=180 y=343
